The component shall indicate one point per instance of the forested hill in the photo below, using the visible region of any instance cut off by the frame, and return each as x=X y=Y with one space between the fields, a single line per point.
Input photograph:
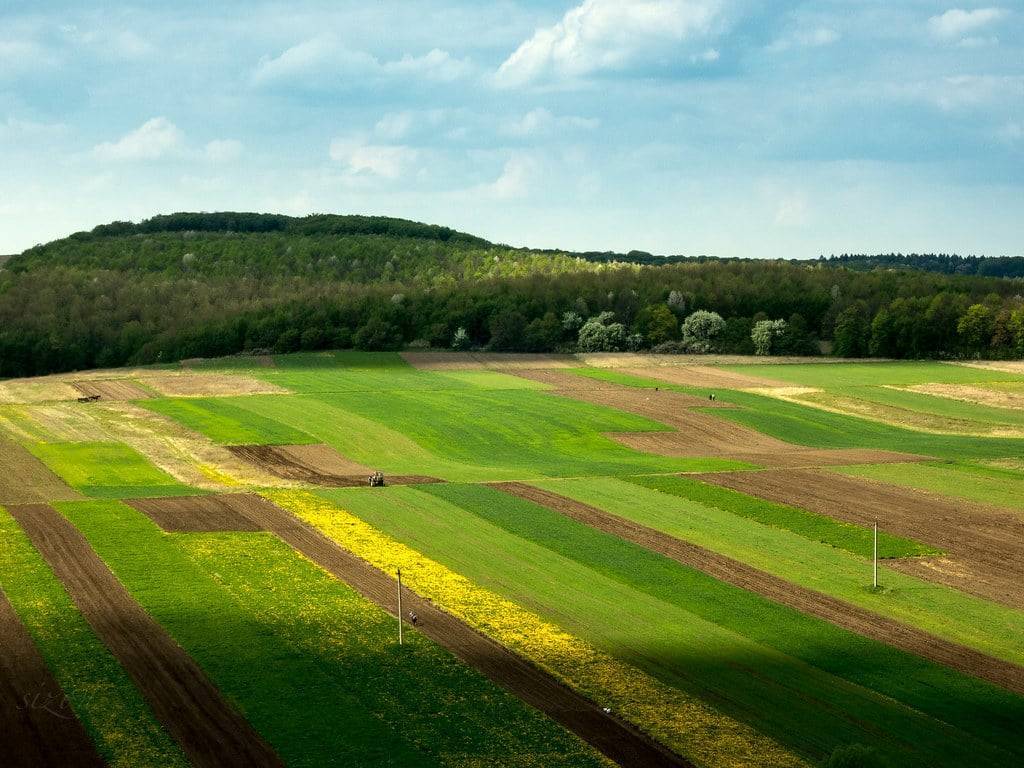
x=355 y=249
x=946 y=264
x=206 y=285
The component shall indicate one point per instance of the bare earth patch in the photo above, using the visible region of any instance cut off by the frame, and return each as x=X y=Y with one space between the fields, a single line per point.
x=200 y=514
x=209 y=729
x=315 y=465
x=24 y=479
x=984 y=546
x=992 y=395
x=1006 y=366
x=806 y=601
x=112 y=389
x=41 y=390
x=209 y=385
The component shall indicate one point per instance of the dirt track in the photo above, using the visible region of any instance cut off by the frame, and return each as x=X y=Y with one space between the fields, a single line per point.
x=614 y=738
x=38 y=726
x=778 y=590
x=985 y=548
x=194 y=514
x=24 y=479
x=211 y=732
x=316 y=465
x=704 y=376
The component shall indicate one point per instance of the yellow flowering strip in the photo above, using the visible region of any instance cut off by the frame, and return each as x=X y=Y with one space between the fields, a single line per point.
x=673 y=717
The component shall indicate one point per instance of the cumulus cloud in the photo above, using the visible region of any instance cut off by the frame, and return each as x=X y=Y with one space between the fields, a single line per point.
x=601 y=35
x=389 y=161
x=540 y=121
x=153 y=139
x=805 y=38
x=223 y=150
x=792 y=211
x=324 y=60
x=957 y=23
x=514 y=181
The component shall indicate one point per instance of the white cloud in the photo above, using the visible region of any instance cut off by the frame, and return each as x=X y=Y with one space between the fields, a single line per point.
x=154 y=138
x=514 y=181
x=223 y=150
x=976 y=90
x=1011 y=133
x=18 y=57
x=109 y=43
x=540 y=120
x=956 y=23
x=28 y=130
x=608 y=35
x=389 y=161
x=324 y=59
x=394 y=125
x=707 y=57
x=805 y=38
x=435 y=65
x=792 y=211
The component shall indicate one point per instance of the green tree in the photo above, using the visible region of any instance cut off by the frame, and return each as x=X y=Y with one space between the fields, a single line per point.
x=852 y=335
x=701 y=331
x=601 y=334
x=975 y=328
x=657 y=324
x=765 y=335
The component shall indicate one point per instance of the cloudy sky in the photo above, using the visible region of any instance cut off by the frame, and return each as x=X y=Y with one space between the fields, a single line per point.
x=727 y=127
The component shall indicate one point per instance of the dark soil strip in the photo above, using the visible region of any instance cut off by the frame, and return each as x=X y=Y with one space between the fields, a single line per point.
x=614 y=738
x=211 y=732
x=284 y=462
x=199 y=514
x=37 y=726
x=807 y=601
x=985 y=546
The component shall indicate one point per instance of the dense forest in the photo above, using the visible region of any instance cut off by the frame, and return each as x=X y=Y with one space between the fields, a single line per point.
x=202 y=285
x=947 y=264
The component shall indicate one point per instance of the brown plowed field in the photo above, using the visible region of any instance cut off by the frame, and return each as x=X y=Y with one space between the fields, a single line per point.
x=614 y=738
x=985 y=548
x=38 y=726
x=656 y=404
x=112 y=389
x=211 y=732
x=200 y=514
x=705 y=376
x=209 y=384
x=24 y=479
x=850 y=617
x=316 y=465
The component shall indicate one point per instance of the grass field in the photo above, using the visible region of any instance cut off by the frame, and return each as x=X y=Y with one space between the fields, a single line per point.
x=537 y=557
x=737 y=676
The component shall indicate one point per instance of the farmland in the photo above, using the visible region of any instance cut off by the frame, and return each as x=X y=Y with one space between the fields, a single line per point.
x=606 y=565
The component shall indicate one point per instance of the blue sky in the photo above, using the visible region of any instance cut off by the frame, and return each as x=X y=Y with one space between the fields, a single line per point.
x=726 y=127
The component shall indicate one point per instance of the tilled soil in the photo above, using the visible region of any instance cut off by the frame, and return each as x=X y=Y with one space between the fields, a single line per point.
x=211 y=732
x=113 y=389
x=200 y=514
x=209 y=384
x=807 y=601
x=316 y=465
x=614 y=738
x=985 y=547
x=38 y=726
x=24 y=479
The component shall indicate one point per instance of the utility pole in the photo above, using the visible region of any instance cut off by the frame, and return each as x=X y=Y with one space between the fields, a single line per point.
x=399 y=606
x=874 y=569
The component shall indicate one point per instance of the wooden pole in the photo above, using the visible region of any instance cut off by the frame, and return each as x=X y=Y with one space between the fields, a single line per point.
x=399 y=606
x=874 y=569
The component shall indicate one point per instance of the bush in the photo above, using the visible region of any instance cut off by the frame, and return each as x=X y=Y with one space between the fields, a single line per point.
x=377 y=336
x=461 y=341
x=600 y=334
x=669 y=348
x=701 y=330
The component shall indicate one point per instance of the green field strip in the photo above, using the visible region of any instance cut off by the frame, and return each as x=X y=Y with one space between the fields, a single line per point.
x=815 y=428
x=108 y=470
x=444 y=707
x=985 y=485
x=819 y=528
x=479 y=436
x=641 y=617
x=114 y=713
x=956 y=616
x=225 y=421
x=303 y=713
x=835 y=375
x=937 y=405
